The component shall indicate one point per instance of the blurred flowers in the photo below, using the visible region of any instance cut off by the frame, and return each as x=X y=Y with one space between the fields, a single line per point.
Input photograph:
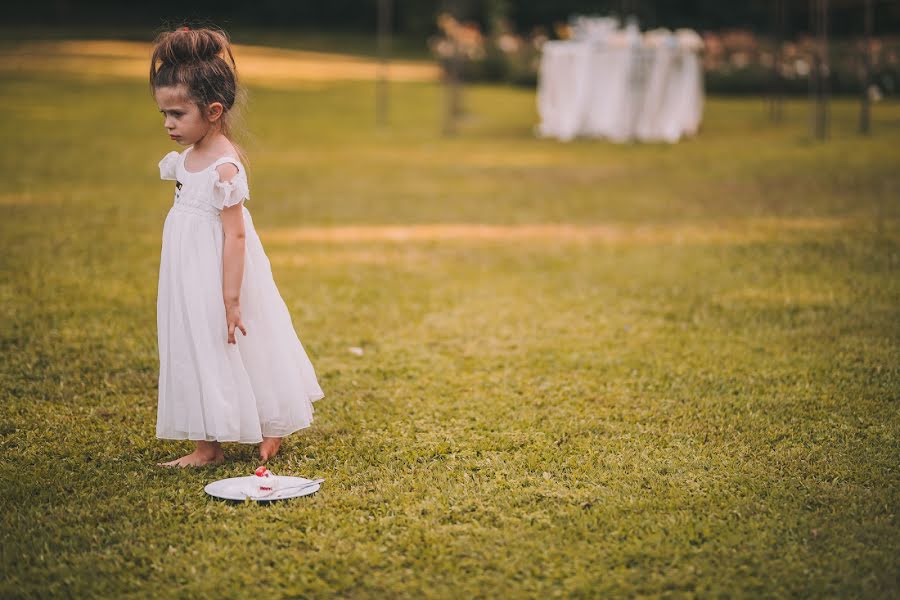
x=739 y=60
x=501 y=56
x=734 y=60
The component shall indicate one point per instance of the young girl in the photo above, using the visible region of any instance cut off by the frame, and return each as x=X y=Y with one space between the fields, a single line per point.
x=214 y=277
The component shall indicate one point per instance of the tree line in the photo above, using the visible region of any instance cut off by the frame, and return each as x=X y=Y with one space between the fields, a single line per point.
x=417 y=17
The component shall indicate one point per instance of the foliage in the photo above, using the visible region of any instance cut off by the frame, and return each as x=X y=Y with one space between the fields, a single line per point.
x=734 y=61
x=416 y=17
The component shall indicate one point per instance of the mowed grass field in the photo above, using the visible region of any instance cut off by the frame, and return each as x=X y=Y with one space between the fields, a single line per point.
x=588 y=370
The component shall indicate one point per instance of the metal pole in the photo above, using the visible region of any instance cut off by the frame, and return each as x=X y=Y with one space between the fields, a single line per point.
x=384 y=51
x=864 y=109
x=813 y=66
x=453 y=102
x=818 y=27
x=776 y=92
x=452 y=73
x=825 y=87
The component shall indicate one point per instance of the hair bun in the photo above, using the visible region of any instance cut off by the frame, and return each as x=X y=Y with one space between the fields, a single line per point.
x=191 y=45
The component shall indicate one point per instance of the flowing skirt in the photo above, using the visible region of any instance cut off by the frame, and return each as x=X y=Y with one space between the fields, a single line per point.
x=264 y=385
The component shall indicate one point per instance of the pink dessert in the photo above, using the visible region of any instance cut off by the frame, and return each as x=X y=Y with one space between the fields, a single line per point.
x=264 y=482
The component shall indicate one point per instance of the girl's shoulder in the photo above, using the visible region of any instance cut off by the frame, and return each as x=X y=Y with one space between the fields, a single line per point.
x=230 y=185
x=227 y=159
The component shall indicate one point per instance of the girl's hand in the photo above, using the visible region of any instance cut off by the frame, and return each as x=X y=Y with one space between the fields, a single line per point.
x=233 y=317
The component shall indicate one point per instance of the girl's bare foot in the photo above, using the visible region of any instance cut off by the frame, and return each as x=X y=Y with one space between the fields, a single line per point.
x=207 y=453
x=269 y=448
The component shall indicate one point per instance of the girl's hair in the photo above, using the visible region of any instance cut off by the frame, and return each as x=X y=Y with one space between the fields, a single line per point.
x=201 y=61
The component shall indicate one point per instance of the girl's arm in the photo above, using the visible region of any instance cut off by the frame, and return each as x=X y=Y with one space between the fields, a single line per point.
x=233 y=257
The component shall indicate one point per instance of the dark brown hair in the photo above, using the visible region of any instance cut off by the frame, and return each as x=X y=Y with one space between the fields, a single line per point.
x=201 y=60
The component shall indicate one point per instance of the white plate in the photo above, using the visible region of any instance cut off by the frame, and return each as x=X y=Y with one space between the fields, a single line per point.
x=236 y=488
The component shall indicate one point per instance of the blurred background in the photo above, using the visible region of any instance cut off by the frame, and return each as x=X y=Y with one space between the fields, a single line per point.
x=743 y=40
x=603 y=297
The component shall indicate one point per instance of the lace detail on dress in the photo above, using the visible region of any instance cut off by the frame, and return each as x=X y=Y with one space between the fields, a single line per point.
x=167 y=165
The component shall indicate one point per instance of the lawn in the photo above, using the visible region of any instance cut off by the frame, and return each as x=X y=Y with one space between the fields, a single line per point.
x=588 y=369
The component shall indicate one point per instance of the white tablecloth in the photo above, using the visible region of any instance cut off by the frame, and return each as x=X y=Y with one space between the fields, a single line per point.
x=622 y=86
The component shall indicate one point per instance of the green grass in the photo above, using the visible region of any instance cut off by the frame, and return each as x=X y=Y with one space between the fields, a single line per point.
x=668 y=415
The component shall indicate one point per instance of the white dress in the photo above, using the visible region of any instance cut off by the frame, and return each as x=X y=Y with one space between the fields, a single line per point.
x=264 y=385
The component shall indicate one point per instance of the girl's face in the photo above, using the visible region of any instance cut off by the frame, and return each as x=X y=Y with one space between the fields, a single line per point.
x=184 y=121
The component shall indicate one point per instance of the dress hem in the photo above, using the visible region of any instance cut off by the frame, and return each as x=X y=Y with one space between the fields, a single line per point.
x=238 y=441
x=206 y=439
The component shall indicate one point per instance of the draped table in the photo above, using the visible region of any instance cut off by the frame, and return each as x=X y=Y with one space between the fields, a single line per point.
x=622 y=86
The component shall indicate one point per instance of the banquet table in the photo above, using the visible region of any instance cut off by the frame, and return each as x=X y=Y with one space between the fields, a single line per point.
x=622 y=86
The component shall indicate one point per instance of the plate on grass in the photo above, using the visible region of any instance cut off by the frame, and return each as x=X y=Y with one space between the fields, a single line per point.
x=241 y=488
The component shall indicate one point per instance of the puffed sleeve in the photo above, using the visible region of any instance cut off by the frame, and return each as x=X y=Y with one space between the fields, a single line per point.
x=167 y=165
x=229 y=193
